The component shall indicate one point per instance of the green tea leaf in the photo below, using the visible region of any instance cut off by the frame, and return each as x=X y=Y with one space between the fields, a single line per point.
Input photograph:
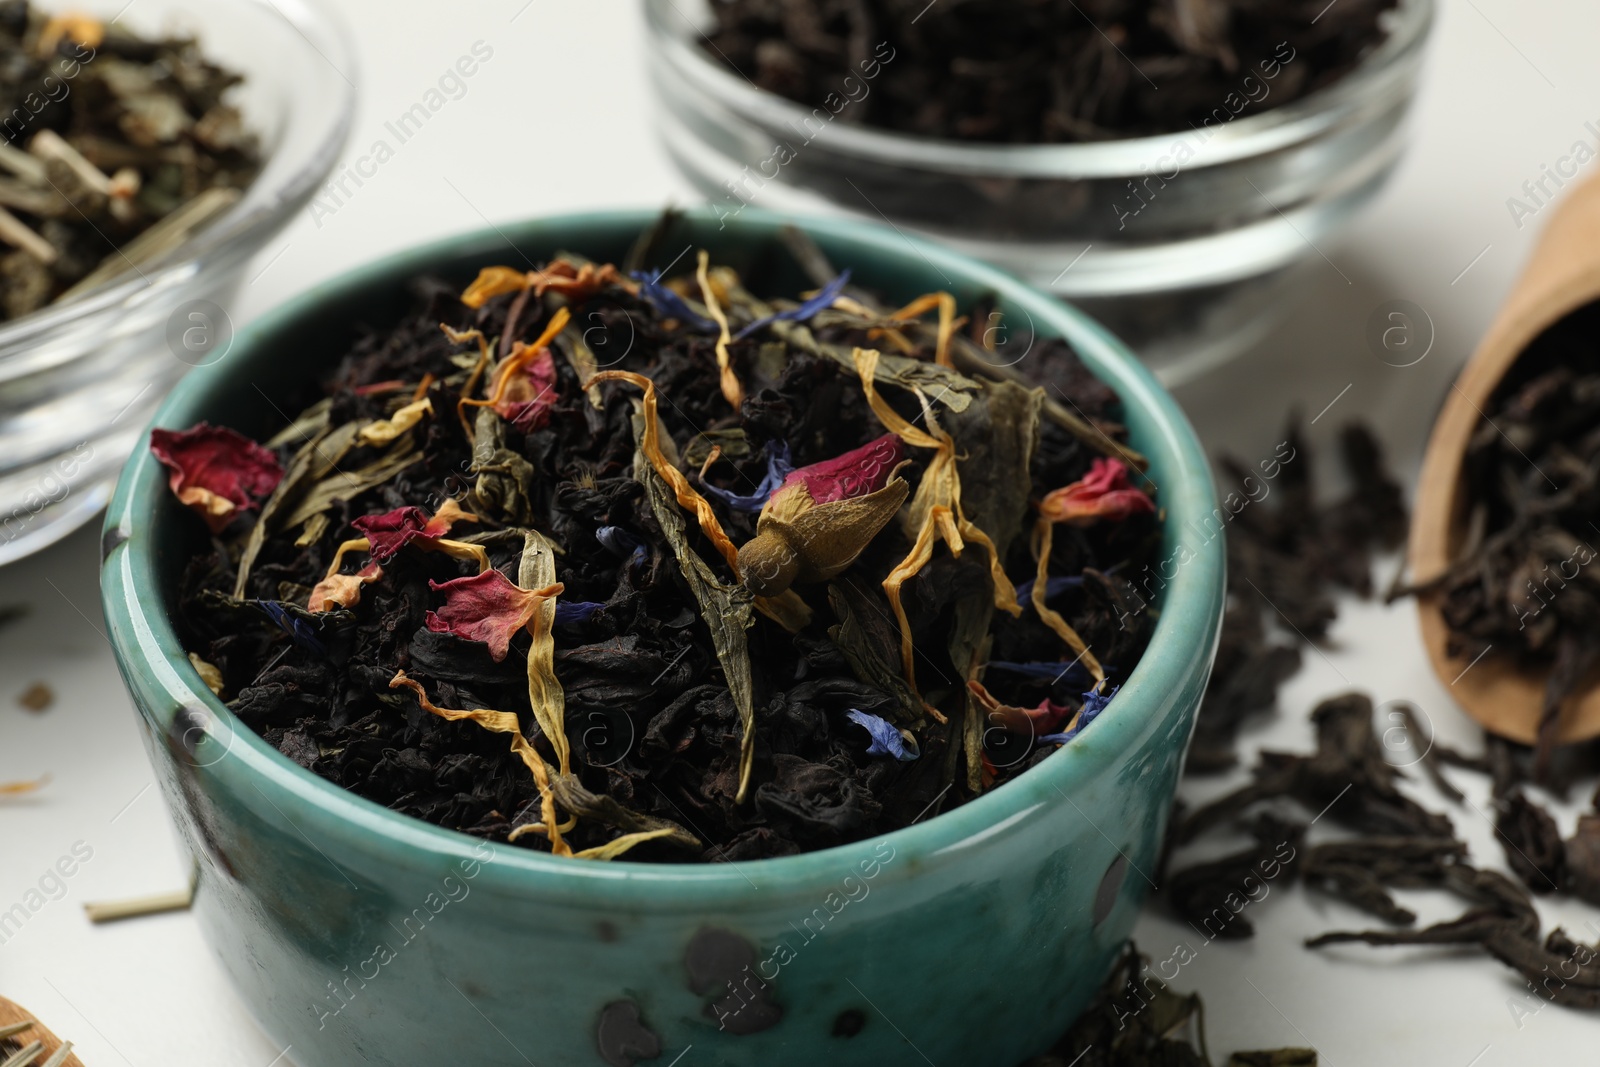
x=728 y=610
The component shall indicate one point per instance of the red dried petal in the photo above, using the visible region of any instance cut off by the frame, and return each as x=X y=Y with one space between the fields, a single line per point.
x=1104 y=493
x=531 y=395
x=486 y=607
x=1038 y=721
x=391 y=531
x=216 y=471
x=856 y=473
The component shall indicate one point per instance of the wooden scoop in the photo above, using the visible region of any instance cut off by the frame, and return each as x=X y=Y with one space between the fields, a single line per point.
x=11 y=1014
x=1562 y=276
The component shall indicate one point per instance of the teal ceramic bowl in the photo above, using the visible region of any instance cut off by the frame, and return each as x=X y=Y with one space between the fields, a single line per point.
x=357 y=935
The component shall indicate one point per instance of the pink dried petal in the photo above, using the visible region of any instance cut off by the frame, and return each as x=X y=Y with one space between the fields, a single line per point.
x=216 y=471
x=530 y=395
x=486 y=607
x=855 y=473
x=1104 y=493
x=391 y=531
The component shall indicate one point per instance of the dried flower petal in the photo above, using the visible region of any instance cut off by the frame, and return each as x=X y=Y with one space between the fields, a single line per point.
x=508 y=371
x=208 y=673
x=819 y=301
x=1024 y=722
x=391 y=531
x=1094 y=702
x=571 y=612
x=503 y=722
x=530 y=396
x=732 y=388
x=1104 y=493
x=386 y=430
x=290 y=622
x=855 y=473
x=342 y=590
x=650 y=445
x=887 y=739
x=215 y=471
x=670 y=304
x=486 y=607
x=1051 y=671
x=779 y=467
x=576 y=282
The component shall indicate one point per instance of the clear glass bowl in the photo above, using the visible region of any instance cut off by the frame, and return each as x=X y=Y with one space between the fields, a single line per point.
x=80 y=379
x=1180 y=242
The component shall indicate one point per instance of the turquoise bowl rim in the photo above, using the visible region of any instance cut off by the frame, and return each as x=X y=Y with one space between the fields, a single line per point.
x=145 y=642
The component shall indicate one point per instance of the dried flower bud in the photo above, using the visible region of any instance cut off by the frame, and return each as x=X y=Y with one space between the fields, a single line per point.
x=1103 y=493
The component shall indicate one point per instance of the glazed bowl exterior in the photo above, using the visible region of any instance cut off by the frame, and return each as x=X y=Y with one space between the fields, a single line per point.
x=359 y=935
x=80 y=379
x=1185 y=243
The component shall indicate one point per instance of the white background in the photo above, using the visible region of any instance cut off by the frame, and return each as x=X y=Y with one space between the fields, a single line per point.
x=559 y=119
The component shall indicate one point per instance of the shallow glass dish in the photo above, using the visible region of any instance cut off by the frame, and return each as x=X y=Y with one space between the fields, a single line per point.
x=79 y=379
x=978 y=933
x=1179 y=242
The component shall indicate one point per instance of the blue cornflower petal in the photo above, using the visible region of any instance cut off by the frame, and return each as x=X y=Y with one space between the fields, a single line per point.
x=1094 y=702
x=1044 y=672
x=670 y=303
x=821 y=302
x=622 y=543
x=299 y=630
x=886 y=739
x=570 y=611
x=1053 y=587
x=779 y=467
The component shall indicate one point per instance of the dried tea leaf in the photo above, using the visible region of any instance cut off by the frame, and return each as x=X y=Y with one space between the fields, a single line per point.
x=727 y=610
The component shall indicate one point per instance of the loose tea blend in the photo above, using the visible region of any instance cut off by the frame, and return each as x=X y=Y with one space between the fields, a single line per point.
x=1521 y=585
x=1396 y=843
x=603 y=562
x=1045 y=72
x=113 y=150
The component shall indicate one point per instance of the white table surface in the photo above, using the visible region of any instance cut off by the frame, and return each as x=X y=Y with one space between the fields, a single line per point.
x=1509 y=86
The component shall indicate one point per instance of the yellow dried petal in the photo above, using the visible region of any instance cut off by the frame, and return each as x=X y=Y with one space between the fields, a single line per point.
x=490 y=283
x=208 y=674
x=1043 y=532
x=732 y=390
x=650 y=445
x=502 y=722
x=612 y=849
x=519 y=358
x=386 y=430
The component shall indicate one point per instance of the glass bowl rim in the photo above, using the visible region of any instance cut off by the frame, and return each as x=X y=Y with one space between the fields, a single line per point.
x=1242 y=138
x=244 y=224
